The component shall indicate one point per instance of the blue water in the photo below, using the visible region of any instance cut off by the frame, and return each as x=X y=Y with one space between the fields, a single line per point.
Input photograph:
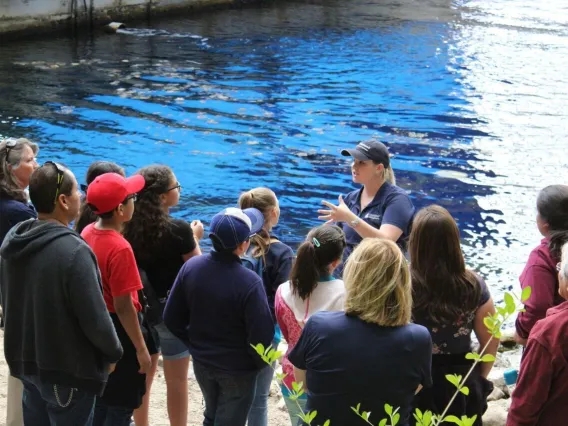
x=471 y=97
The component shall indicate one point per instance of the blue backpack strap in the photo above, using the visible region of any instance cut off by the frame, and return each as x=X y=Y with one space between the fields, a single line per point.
x=255 y=264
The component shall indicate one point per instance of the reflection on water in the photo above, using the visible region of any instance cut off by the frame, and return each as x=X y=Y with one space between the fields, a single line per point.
x=471 y=97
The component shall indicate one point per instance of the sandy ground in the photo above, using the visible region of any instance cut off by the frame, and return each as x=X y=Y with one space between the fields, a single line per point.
x=277 y=416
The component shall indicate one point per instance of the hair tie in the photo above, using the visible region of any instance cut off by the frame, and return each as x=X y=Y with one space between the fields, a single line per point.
x=315 y=242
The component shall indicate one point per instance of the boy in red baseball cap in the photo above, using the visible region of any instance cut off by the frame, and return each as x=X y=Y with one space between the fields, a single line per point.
x=112 y=197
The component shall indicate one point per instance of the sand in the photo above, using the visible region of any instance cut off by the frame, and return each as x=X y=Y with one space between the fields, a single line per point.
x=277 y=416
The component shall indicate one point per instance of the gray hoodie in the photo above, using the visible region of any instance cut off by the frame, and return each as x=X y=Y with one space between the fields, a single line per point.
x=57 y=326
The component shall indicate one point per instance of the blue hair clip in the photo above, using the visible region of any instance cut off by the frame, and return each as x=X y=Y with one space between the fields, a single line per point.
x=315 y=242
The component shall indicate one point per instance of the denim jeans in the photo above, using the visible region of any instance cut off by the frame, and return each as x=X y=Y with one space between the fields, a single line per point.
x=228 y=397
x=55 y=405
x=106 y=415
x=258 y=415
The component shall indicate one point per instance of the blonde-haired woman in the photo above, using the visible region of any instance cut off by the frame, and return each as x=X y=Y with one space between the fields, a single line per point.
x=369 y=354
x=378 y=209
x=273 y=260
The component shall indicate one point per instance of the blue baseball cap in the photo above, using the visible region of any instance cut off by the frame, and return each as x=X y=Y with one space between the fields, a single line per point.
x=234 y=226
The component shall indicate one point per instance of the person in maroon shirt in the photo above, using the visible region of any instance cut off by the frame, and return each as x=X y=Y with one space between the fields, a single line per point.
x=542 y=389
x=540 y=271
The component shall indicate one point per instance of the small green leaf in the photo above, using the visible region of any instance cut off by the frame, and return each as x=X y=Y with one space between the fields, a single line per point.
x=327 y=423
x=418 y=414
x=526 y=294
x=509 y=302
x=365 y=415
x=297 y=386
x=472 y=355
x=464 y=390
x=311 y=416
x=488 y=321
x=383 y=422
x=453 y=379
x=395 y=419
x=452 y=419
x=388 y=409
x=487 y=358
x=281 y=376
x=259 y=348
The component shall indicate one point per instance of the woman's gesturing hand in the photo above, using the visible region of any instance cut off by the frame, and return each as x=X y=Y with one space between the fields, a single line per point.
x=339 y=213
x=197 y=228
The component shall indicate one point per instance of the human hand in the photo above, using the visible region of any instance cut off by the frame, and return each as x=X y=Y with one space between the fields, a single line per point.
x=339 y=213
x=111 y=367
x=144 y=360
x=197 y=228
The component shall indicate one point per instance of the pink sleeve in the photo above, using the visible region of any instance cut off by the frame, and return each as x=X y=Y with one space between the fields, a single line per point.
x=279 y=309
x=544 y=286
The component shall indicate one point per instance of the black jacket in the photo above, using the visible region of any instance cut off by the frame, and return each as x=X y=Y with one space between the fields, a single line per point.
x=57 y=326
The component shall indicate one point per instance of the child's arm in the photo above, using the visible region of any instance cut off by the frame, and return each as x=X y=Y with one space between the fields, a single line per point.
x=129 y=319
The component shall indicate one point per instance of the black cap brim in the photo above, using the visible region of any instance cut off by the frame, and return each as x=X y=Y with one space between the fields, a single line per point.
x=355 y=153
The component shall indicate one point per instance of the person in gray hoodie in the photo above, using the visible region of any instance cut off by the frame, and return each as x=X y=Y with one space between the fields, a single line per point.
x=59 y=338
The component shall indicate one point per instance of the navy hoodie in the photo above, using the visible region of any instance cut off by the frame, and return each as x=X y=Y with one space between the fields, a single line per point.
x=219 y=308
x=57 y=326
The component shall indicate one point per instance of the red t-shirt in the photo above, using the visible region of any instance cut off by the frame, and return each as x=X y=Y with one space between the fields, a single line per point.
x=117 y=264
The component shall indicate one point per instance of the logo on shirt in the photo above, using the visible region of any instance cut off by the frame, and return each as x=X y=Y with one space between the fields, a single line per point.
x=373 y=216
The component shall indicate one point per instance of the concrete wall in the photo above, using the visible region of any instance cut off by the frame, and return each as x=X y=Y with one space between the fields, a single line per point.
x=19 y=17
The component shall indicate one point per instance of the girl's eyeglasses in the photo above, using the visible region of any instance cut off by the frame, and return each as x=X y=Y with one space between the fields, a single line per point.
x=177 y=186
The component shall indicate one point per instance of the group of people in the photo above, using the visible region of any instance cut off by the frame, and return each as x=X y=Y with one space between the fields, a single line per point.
x=96 y=284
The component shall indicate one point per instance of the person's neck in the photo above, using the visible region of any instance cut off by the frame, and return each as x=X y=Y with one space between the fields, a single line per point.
x=108 y=225
x=53 y=218
x=166 y=209
x=371 y=188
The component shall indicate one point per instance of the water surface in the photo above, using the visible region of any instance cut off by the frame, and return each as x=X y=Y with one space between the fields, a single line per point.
x=471 y=97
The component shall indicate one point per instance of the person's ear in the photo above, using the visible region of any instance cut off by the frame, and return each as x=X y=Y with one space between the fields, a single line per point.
x=380 y=169
x=120 y=209
x=163 y=198
x=62 y=201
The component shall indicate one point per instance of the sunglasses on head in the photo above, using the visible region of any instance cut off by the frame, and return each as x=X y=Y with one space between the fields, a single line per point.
x=60 y=173
x=10 y=145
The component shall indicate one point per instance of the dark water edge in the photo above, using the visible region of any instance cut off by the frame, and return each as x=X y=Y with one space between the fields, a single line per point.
x=471 y=97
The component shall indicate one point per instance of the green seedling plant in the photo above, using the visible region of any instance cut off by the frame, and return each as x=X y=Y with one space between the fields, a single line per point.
x=494 y=323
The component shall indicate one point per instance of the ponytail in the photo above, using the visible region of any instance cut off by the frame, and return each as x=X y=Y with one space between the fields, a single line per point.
x=556 y=242
x=323 y=246
x=264 y=200
x=305 y=272
x=389 y=175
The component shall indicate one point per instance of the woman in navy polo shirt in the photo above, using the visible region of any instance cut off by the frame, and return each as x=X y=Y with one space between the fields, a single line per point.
x=379 y=209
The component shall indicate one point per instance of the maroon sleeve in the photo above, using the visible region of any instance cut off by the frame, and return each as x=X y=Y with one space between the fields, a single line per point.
x=533 y=386
x=544 y=286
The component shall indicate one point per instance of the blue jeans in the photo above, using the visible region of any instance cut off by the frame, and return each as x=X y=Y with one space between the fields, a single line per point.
x=258 y=415
x=228 y=397
x=55 y=405
x=107 y=415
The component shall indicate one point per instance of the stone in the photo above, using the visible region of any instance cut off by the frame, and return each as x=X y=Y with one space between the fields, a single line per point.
x=496 y=414
x=496 y=394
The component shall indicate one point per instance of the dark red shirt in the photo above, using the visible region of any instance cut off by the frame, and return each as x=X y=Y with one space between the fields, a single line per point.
x=541 y=395
x=117 y=264
x=539 y=273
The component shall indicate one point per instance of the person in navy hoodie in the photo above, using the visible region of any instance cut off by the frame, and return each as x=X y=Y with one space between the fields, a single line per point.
x=379 y=209
x=218 y=308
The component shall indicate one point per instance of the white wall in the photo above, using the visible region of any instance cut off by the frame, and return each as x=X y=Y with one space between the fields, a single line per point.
x=43 y=15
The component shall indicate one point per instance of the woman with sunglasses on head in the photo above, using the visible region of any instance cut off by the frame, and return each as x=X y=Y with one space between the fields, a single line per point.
x=17 y=163
x=540 y=270
x=86 y=215
x=379 y=209
x=161 y=245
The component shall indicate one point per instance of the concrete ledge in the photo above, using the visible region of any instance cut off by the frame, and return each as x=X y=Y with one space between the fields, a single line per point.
x=25 y=18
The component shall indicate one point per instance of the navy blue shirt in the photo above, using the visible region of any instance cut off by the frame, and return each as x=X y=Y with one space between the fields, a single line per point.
x=391 y=206
x=350 y=361
x=13 y=212
x=279 y=259
x=218 y=308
